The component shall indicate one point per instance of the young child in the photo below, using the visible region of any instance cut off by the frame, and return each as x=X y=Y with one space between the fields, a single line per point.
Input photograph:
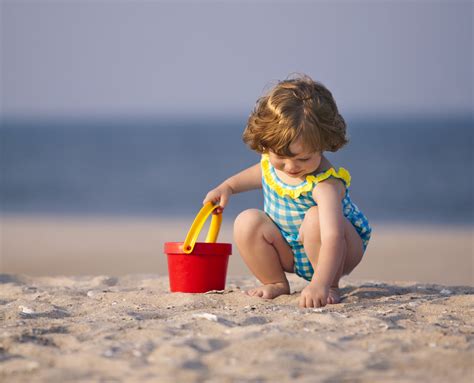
x=309 y=225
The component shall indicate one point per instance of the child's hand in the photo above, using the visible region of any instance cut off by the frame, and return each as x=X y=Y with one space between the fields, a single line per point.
x=220 y=195
x=314 y=295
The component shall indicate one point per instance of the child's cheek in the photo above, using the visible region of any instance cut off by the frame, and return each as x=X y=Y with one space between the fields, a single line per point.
x=278 y=165
x=316 y=163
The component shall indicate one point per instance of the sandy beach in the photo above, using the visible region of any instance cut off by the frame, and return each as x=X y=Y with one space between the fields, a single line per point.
x=88 y=300
x=132 y=329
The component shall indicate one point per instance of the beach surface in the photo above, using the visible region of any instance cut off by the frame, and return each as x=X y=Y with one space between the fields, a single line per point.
x=132 y=329
x=87 y=299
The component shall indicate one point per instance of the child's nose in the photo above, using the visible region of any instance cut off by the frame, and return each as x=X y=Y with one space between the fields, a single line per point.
x=291 y=167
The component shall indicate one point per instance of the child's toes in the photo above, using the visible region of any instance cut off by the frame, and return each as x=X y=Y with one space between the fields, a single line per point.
x=333 y=297
x=255 y=293
x=266 y=295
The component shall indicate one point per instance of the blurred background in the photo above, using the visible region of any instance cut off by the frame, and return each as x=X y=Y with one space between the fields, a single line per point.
x=118 y=117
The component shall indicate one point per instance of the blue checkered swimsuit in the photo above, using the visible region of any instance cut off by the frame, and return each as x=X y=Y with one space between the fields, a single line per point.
x=286 y=205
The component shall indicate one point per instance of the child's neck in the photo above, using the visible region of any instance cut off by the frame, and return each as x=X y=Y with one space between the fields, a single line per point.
x=294 y=181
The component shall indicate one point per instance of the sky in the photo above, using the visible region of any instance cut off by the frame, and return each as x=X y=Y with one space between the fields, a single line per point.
x=141 y=58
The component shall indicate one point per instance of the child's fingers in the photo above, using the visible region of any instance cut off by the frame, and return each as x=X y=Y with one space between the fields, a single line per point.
x=308 y=302
x=210 y=198
x=206 y=199
x=223 y=201
x=220 y=199
x=302 y=302
x=222 y=204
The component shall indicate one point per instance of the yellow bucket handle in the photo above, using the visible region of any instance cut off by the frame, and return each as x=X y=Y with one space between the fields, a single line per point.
x=197 y=225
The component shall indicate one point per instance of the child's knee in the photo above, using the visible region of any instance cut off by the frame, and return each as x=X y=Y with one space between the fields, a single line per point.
x=247 y=223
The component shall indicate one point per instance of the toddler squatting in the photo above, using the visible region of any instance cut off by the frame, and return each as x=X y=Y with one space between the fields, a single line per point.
x=309 y=225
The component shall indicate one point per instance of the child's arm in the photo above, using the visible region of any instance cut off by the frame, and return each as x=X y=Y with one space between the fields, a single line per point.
x=328 y=195
x=248 y=179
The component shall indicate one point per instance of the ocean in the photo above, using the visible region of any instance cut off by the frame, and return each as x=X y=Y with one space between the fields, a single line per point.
x=403 y=169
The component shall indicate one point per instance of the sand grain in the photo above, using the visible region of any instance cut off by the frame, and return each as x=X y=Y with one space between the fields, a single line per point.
x=130 y=328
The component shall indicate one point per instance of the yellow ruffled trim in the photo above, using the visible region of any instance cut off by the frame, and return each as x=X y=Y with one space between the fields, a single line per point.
x=311 y=180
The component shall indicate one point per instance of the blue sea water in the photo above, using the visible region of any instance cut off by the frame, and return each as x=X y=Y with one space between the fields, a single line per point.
x=403 y=169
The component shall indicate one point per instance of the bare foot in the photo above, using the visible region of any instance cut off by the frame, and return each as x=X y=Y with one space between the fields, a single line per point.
x=334 y=296
x=270 y=291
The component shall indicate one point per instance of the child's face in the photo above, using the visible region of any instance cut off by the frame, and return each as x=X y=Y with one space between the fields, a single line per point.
x=301 y=164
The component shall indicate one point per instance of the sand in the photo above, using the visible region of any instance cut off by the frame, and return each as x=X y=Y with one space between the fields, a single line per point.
x=132 y=329
x=87 y=299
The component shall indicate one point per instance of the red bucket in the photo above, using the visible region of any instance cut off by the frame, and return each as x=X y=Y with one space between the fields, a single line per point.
x=204 y=269
x=199 y=267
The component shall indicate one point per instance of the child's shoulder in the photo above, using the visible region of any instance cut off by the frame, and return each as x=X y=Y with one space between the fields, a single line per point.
x=330 y=180
x=329 y=186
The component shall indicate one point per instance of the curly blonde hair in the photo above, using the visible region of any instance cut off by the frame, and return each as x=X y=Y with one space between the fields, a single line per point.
x=294 y=108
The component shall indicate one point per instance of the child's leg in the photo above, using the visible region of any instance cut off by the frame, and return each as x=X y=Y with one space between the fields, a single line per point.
x=310 y=236
x=265 y=252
